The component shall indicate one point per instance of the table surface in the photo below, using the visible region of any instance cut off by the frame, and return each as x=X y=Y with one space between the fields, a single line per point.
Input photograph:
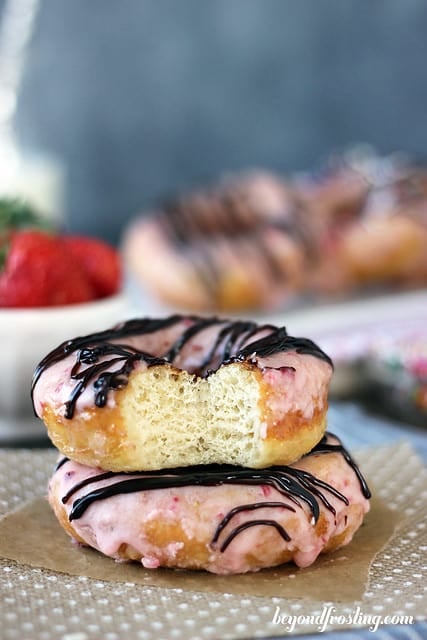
x=358 y=430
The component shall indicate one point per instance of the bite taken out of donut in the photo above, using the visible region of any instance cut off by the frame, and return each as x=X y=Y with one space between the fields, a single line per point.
x=223 y=519
x=183 y=390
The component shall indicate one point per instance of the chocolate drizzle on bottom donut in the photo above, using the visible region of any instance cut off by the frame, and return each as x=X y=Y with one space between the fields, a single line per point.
x=296 y=485
x=250 y=507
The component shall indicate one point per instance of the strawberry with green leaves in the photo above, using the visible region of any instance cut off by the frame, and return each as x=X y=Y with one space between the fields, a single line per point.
x=41 y=268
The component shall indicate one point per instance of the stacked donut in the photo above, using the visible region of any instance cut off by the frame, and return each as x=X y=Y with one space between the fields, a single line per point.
x=197 y=443
x=259 y=241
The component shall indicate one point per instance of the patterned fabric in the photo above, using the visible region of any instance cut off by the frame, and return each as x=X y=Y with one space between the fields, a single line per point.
x=38 y=604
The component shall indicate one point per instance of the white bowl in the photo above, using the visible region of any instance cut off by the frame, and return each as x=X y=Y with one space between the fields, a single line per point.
x=26 y=336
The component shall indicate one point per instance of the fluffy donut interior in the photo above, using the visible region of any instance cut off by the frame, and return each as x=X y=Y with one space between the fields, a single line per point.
x=197 y=413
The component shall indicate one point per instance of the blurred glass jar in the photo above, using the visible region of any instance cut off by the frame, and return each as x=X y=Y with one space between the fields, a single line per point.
x=37 y=178
x=33 y=176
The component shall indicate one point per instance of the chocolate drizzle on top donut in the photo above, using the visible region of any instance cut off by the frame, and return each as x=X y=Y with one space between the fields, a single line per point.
x=104 y=360
x=296 y=485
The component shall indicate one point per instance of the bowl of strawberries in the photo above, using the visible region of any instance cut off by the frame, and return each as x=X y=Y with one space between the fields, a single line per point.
x=53 y=286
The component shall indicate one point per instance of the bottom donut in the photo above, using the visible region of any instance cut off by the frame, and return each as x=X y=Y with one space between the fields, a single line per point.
x=222 y=519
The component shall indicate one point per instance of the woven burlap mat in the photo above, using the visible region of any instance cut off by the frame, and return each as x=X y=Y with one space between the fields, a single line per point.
x=36 y=603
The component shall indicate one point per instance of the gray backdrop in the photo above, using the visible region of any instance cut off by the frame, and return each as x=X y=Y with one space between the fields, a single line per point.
x=143 y=97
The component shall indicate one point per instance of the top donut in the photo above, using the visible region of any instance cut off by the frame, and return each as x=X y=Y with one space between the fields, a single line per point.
x=184 y=390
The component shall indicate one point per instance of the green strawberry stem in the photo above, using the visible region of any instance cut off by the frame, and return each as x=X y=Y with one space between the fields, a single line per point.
x=18 y=214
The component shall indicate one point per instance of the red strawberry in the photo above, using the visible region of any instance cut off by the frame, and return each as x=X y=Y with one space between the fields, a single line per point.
x=101 y=262
x=38 y=271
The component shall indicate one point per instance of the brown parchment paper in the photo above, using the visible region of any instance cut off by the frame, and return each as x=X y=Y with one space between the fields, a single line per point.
x=32 y=536
x=45 y=604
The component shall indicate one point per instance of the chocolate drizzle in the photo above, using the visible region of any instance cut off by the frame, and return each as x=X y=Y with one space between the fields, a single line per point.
x=254 y=523
x=60 y=463
x=250 y=507
x=325 y=447
x=200 y=225
x=297 y=486
x=105 y=361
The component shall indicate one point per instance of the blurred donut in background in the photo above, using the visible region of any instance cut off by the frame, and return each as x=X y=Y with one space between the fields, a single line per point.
x=386 y=243
x=261 y=241
x=238 y=245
